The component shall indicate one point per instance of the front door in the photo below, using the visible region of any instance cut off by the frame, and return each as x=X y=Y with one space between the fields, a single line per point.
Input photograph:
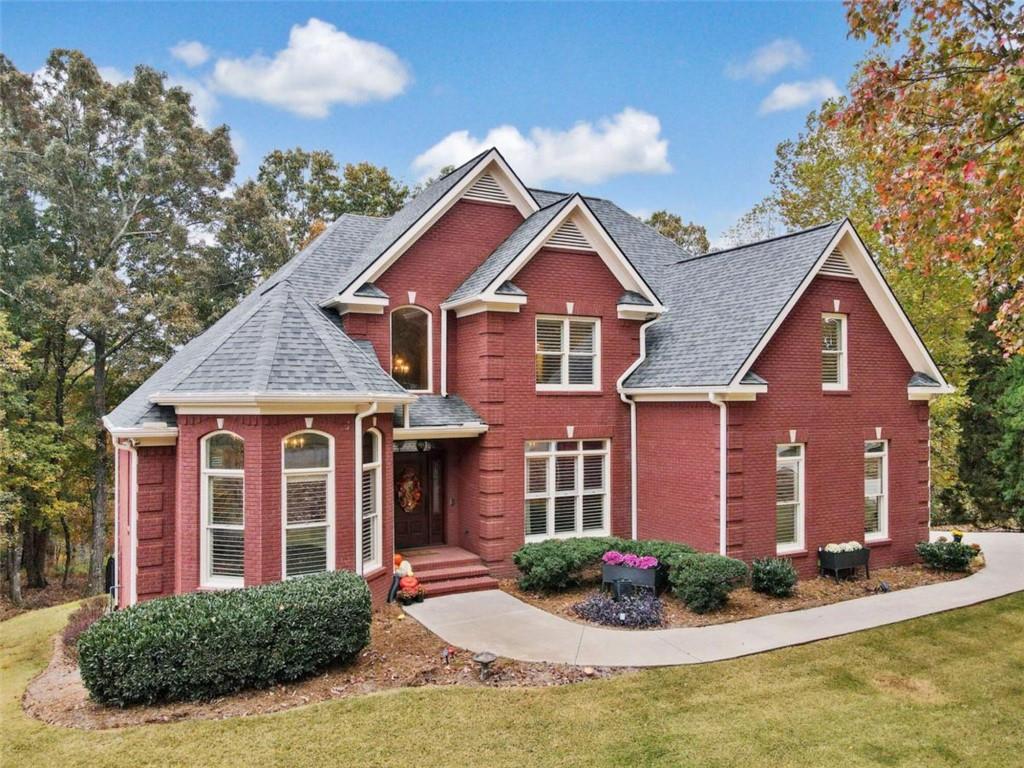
x=419 y=513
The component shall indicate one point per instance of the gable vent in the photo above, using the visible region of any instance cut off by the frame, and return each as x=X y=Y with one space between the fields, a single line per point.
x=487 y=190
x=836 y=266
x=569 y=236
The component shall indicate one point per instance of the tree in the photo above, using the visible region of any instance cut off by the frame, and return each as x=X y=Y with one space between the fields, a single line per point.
x=939 y=103
x=121 y=175
x=761 y=222
x=691 y=237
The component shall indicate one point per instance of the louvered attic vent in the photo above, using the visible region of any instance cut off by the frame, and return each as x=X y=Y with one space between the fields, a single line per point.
x=487 y=190
x=836 y=266
x=569 y=236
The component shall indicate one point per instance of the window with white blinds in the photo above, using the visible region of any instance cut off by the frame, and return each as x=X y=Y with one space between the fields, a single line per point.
x=568 y=353
x=307 y=504
x=833 y=351
x=876 y=481
x=222 y=508
x=789 y=497
x=370 y=519
x=567 y=490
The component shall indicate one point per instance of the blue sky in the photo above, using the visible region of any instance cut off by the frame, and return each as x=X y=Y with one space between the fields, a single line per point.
x=676 y=106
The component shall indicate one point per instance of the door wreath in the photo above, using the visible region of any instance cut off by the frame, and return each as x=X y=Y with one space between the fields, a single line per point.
x=410 y=490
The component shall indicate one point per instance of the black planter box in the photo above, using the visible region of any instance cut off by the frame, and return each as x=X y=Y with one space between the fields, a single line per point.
x=835 y=562
x=653 y=579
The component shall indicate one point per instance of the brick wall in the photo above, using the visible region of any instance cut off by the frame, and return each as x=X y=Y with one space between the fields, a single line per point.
x=155 y=534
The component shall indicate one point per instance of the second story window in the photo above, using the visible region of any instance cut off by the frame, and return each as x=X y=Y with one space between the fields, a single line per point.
x=568 y=353
x=410 y=348
x=833 y=351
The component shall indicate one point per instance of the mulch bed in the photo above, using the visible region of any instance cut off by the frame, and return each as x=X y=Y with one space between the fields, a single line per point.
x=744 y=603
x=44 y=597
x=402 y=653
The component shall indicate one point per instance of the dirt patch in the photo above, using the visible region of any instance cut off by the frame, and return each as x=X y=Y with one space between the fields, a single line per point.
x=912 y=688
x=745 y=603
x=54 y=594
x=402 y=653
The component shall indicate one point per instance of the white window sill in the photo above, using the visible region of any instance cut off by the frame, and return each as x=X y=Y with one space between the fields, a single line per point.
x=538 y=537
x=877 y=538
x=215 y=585
x=791 y=549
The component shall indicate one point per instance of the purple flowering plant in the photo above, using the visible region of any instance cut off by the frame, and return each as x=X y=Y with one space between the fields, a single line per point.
x=614 y=557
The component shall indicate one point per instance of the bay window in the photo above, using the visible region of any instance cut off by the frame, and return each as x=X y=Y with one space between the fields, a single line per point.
x=307 y=504
x=370 y=519
x=222 y=511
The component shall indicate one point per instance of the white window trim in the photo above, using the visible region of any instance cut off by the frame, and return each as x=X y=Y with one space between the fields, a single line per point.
x=883 y=508
x=206 y=580
x=430 y=345
x=843 y=354
x=331 y=491
x=566 y=386
x=800 y=543
x=551 y=493
x=378 y=529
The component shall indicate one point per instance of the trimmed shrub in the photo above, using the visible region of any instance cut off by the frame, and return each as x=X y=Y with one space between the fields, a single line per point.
x=703 y=581
x=947 y=555
x=773 y=576
x=635 y=611
x=208 y=644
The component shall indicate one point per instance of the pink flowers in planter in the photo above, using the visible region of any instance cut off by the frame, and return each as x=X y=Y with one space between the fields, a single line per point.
x=614 y=557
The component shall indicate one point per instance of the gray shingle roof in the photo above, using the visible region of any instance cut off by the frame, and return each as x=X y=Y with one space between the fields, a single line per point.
x=632 y=297
x=438 y=411
x=922 y=380
x=371 y=290
x=720 y=305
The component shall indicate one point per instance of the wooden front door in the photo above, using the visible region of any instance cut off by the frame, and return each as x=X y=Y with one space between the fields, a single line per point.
x=419 y=495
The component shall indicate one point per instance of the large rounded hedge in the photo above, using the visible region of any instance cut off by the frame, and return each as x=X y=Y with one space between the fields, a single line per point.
x=208 y=644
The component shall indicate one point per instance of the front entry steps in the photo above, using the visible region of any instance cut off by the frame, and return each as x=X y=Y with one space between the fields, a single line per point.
x=444 y=570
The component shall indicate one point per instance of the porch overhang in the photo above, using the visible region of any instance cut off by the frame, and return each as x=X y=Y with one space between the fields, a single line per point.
x=439 y=432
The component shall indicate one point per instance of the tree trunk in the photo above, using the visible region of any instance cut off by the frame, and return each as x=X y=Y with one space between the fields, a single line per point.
x=97 y=557
x=13 y=563
x=67 y=550
x=36 y=542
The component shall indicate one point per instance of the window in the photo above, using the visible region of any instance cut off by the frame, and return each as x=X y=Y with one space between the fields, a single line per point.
x=410 y=348
x=307 y=505
x=876 y=481
x=370 y=509
x=833 y=351
x=566 y=488
x=568 y=353
x=222 y=509
x=789 y=498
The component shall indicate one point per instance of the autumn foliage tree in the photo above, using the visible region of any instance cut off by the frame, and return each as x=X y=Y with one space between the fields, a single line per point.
x=691 y=237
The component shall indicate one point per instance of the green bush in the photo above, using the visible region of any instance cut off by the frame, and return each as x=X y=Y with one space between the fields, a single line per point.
x=703 y=581
x=555 y=564
x=208 y=644
x=773 y=576
x=947 y=555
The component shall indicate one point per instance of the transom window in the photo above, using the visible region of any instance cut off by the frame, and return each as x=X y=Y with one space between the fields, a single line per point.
x=568 y=353
x=410 y=348
x=370 y=502
x=789 y=497
x=307 y=504
x=222 y=554
x=833 y=351
x=876 y=481
x=566 y=488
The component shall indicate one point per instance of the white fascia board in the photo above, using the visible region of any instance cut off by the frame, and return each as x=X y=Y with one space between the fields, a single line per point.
x=440 y=432
x=881 y=296
x=927 y=393
x=492 y=161
x=695 y=394
x=361 y=305
x=634 y=312
x=257 y=402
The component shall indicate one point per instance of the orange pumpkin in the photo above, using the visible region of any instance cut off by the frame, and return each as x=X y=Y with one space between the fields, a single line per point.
x=409 y=583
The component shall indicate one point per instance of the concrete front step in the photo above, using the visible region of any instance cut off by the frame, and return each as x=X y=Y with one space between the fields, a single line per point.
x=458 y=586
x=445 y=570
x=455 y=572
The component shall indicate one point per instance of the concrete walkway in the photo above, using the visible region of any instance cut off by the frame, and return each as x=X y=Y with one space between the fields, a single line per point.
x=496 y=621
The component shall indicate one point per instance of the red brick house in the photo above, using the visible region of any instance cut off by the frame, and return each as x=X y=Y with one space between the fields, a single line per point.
x=496 y=364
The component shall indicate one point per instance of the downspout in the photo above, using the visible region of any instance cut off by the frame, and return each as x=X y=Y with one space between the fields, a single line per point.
x=360 y=415
x=444 y=352
x=117 y=513
x=723 y=454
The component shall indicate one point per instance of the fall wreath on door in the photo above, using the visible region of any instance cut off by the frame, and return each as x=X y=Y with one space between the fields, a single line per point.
x=410 y=490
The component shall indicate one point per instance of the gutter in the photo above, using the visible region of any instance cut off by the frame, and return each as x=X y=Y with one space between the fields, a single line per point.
x=723 y=457
x=360 y=415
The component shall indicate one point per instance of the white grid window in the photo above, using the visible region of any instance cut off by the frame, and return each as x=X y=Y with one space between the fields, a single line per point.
x=876 y=496
x=568 y=353
x=833 y=351
x=307 y=504
x=370 y=519
x=222 y=507
x=566 y=489
x=789 y=497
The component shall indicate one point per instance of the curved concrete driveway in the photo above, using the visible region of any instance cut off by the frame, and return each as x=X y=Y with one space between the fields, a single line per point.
x=496 y=621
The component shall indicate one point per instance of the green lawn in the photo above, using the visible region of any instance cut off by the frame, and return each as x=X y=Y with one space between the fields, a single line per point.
x=943 y=690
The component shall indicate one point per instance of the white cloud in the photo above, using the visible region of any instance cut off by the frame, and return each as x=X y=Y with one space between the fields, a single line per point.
x=629 y=142
x=203 y=99
x=112 y=75
x=798 y=94
x=191 y=52
x=320 y=67
x=768 y=59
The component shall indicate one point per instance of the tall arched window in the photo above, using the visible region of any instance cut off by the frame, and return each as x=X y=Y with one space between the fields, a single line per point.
x=222 y=509
x=370 y=502
x=410 y=348
x=307 y=503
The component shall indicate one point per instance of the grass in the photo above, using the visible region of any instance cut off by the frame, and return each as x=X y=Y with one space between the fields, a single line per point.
x=946 y=690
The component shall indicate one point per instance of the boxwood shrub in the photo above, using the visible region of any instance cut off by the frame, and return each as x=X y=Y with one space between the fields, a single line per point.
x=947 y=555
x=703 y=581
x=208 y=644
x=773 y=576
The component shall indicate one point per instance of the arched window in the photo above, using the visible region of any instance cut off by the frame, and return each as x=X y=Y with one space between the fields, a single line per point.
x=222 y=509
x=307 y=503
x=410 y=348
x=370 y=502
